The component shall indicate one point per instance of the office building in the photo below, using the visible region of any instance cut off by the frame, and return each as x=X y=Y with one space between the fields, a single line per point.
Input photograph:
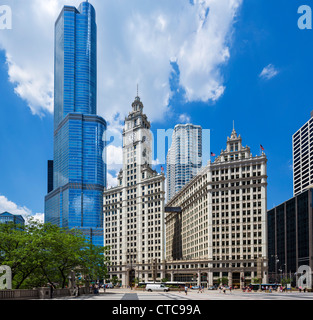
x=134 y=210
x=302 y=143
x=218 y=221
x=50 y=176
x=184 y=158
x=7 y=217
x=290 y=236
x=79 y=173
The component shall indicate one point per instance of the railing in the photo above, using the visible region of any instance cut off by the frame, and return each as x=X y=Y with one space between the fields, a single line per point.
x=39 y=293
x=19 y=294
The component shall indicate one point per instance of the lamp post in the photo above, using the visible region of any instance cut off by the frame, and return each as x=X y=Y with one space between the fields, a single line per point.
x=281 y=272
x=131 y=269
x=131 y=272
x=276 y=262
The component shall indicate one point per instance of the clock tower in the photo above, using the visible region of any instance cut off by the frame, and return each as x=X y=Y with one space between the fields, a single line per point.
x=137 y=144
x=134 y=210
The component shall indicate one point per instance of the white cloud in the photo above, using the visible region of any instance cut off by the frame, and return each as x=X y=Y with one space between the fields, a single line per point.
x=184 y=118
x=40 y=217
x=156 y=162
x=8 y=206
x=114 y=157
x=137 y=40
x=269 y=72
x=111 y=180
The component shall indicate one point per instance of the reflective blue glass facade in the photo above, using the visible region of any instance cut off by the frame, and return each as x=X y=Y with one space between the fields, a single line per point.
x=79 y=172
x=7 y=217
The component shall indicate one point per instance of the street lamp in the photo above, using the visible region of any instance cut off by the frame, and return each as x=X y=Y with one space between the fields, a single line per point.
x=276 y=262
x=281 y=272
x=131 y=268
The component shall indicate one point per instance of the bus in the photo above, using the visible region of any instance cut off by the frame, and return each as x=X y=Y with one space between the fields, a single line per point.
x=168 y=284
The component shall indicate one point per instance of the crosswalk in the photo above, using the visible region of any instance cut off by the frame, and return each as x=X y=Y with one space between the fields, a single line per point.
x=175 y=296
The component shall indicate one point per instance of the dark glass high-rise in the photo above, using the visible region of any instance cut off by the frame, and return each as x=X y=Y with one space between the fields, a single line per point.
x=79 y=172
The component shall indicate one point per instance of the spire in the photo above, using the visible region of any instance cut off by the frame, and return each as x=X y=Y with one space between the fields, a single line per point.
x=137 y=104
x=234 y=133
x=137 y=97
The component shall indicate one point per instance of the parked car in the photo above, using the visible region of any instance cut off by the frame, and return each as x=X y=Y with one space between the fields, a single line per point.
x=195 y=288
x=156 y=287
x=212 y=288
x=109 y=286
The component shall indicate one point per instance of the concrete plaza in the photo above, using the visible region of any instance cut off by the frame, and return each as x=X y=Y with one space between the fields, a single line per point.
x=127 y=294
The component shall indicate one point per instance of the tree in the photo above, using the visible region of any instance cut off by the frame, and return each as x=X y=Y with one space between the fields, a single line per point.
x=114 y=280
x=285 y=281
x=41 y=254
x=256 y=280
x=94 y=261
x=223 y=280
x=17 y=251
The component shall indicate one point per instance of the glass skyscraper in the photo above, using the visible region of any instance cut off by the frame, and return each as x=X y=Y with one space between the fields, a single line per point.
x=184 y=158
x=75 y=199
x=302 y=147
x=290 y=234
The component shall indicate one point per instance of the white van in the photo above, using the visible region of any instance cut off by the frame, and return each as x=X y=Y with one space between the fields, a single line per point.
x=156 y=287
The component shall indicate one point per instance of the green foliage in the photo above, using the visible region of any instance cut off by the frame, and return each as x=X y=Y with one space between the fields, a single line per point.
x=256 y=281
x=41 y=254
x=223 y=281
x=285 y=281
x=114 y=280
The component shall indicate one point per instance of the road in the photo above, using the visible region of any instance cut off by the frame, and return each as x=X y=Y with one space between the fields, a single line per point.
x=123 y=295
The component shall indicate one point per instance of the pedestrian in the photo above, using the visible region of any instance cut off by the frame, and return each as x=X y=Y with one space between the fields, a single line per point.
x=186 y=289
x=51 y=290
x=96 y=290
x=230 y=288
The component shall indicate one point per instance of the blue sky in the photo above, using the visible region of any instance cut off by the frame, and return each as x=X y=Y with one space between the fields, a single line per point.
x=263 y=35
